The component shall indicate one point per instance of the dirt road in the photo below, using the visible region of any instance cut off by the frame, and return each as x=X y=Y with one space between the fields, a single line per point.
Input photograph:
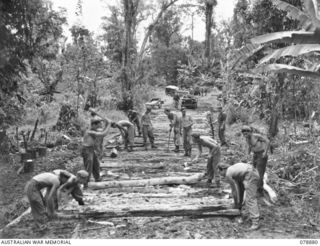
x=277 y=221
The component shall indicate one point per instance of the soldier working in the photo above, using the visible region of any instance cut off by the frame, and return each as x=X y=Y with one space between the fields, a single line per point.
x=175 y=124
x=147 y=129
x=127 y=130
x=222 y=126
x=213 y=158
x=186 y=124
x=243 y=177
x=90 y=160
x=259 y=145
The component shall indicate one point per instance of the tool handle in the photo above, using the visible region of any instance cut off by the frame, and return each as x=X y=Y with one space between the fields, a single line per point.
x=102 y=117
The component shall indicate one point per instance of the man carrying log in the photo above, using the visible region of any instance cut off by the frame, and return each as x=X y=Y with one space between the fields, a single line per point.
x=133 y=117
x=42 y=207
x=186 y=124
x=222 y=117
x=175 y=123
x=147 y=129
x=71 y=184
x=213 y=158
x=89 y=152
x=127 y=131
x=259 y=145
x=243 y=177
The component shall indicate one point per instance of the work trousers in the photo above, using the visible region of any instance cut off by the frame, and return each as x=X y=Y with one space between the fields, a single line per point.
x=99 y=147
x=176 y=136
x=91 y=162
x=187 y=139
x=37 y=202
x=212 y=164
x=137 y=123
x=147 y=131
x=250 y=185
x=222 y=135
x=129 y=137
x=260 y=163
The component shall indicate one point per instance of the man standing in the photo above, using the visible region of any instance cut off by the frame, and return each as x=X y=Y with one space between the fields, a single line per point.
x=133 y=117
x=259 y=145
x=243 y=177
x=186 y=123
x=89 y=152
x=42 y=207
x=222 y=117
x=147 y=129
x=213 y=158
x=71 y=184
x=175 y=123
x=211 y=121
x=127 y=131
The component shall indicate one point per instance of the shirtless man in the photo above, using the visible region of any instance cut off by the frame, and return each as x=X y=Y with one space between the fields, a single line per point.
x=99 y=139
x=127 y=131
x=90 y=159
x=42 y=207
x=147 y=129
x=243 y=177
x=213 y=158
x=259 y=145
x=175 y=123
x=186 y=124
x=71 y=184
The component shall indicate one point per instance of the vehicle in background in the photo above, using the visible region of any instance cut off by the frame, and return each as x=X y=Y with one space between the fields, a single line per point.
x=154 y=103
x=189 y=101
x=171 y=90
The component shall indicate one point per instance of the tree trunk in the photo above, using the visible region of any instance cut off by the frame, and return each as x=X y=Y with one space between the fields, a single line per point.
x=208 y=14
x=214 y=210
x=147 y=182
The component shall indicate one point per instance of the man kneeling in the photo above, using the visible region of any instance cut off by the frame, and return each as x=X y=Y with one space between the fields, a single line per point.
x=243 y=177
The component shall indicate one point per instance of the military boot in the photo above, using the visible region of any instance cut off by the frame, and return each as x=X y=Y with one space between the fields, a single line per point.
x=255 y=225
x=176 y=149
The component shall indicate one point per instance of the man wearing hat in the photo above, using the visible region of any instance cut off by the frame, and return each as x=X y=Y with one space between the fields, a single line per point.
x=127 y=131
x=186 y=124
x=175 y=123
x=222 y=126
x=243 y=177
x=147 y=129
x=259 y=145
x=213 y=158
x=89 y=152
x=133 y=117
x=71 y=184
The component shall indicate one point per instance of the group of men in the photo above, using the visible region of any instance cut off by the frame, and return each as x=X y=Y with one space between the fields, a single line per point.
x=241 y=176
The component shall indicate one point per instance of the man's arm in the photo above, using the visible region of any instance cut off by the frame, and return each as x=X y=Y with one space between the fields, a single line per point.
x=50 y=200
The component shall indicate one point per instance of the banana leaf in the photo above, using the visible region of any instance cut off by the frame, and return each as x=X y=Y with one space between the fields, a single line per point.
x=293 y=50
x=307 y=22
x=242 y=54
x=283 y=68
x=311 y=7
x=297 y=37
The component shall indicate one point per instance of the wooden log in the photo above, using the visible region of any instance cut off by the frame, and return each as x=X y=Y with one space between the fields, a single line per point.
x=214 y=210
x=16 y=220
x=125 y=165
x=147 y=182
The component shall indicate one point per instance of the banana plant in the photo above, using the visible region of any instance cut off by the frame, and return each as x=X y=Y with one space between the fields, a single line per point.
x=304 y=41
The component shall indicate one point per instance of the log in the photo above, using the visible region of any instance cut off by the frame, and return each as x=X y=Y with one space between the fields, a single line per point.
x=16 y=220
x=126 y=165
x=147 y=182
x=214 y=210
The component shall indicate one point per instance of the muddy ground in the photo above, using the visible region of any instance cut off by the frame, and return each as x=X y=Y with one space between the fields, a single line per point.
x=295 y=215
